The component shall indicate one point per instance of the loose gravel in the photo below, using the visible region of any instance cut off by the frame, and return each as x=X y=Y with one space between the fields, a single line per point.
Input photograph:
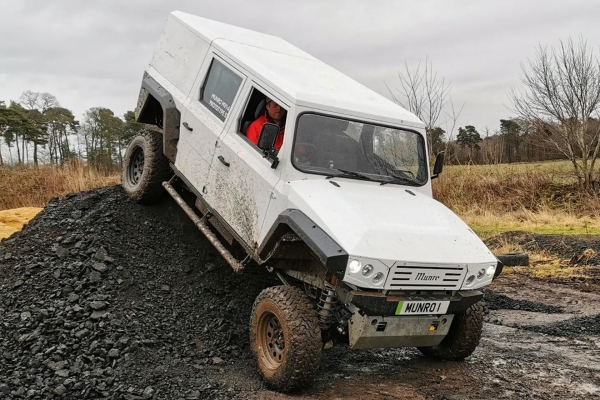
x=583 y=326
x=103 y=298
x=497 y=301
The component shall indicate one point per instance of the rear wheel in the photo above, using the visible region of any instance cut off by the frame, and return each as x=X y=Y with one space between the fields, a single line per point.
x=145 y=168
x=463 y=336
x=285 y=337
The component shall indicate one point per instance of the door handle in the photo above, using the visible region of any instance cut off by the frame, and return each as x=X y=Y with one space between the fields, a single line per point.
x=225 y=163
x=189 y=128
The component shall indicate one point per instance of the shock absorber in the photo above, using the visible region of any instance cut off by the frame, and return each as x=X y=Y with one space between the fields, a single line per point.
x=326 y=306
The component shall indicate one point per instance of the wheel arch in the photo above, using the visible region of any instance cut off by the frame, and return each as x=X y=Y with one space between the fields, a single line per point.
x=157 y=107
x=294 y=222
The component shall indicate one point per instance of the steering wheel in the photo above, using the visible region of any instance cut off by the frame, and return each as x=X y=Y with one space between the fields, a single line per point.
x=304 y=151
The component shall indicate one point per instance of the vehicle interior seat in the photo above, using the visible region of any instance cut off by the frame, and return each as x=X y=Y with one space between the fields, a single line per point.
x=259 y=110
x=335 y=149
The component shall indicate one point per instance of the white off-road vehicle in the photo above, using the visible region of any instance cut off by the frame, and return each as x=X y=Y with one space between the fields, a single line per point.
x=342 y=212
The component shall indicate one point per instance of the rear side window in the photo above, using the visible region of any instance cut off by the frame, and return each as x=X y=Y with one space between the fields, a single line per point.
x=219 y=89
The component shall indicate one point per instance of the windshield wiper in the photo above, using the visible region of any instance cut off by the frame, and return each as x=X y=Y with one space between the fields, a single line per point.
x=349 y=174
x=399 y=179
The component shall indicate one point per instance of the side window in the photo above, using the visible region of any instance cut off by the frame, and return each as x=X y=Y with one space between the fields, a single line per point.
x=261 y=107
x=219 y=89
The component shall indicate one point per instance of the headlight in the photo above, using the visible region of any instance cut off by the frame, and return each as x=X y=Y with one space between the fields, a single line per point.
x=378 y=278
x=367 y=269
x=481 y=273
x=491 y=269
x=354 y=266
x=470 y=280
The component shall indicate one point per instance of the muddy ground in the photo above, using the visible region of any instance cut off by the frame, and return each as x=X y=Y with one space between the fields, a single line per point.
x=103 y=298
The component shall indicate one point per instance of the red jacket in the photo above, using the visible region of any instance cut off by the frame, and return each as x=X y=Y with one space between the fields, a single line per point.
x=253 y=132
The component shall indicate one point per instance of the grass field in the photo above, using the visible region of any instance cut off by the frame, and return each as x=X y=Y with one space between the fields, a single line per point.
x=537 y=197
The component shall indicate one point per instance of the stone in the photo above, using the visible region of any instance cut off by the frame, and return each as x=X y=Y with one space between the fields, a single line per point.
x=148 y=393
x=101 y=254
x=76 y=214
x=60 y=390
x=55 y=366
x=98 y=314
x=98 y=305
x=63 y=373
x=25 y=316
x=95 y=277
x=165 y=288
x=81 y=333
x=61 y=252
x=113 y=353
x=100 y=267
x=193 y=395
x=4 y=388
x=218 y=361
x=17 y=284
x=73 y=298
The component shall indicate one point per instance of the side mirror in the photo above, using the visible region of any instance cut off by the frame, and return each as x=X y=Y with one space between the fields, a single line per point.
x=268 y=136
x=439 y=165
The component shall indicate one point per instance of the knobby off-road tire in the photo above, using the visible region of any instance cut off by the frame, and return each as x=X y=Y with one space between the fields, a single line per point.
x=514 y=259
x=145 y=167
x=285 y=337
x=463 y=336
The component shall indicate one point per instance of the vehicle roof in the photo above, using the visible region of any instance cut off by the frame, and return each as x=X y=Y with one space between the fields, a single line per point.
x=302 y=78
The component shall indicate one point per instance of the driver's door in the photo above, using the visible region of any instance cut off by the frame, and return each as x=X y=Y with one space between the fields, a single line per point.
x=241 y=181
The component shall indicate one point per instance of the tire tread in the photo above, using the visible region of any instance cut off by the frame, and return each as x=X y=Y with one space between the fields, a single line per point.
x=304 y=354
x=156 y=168
x=463 y=337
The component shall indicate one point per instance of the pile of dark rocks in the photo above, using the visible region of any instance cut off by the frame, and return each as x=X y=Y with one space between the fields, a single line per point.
x=104 y=298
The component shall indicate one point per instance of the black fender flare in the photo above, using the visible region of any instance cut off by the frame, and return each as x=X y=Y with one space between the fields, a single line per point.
x=170 y=114
x=325 y=249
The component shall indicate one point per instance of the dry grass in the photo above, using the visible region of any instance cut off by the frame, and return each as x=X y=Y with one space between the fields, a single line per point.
x=34 y=186
x=538 y=197
x=542 y=264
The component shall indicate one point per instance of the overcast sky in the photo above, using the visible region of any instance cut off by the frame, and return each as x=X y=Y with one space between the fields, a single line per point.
x=92 y=54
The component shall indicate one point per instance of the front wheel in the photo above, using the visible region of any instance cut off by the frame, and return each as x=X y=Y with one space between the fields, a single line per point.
x=462 y=338
x=145 y=167
x=285 y=337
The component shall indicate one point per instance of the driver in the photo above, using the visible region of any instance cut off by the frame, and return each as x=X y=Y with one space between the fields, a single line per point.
x=273 y=114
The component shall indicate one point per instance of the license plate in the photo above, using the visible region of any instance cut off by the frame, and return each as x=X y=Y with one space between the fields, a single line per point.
x=422 y=307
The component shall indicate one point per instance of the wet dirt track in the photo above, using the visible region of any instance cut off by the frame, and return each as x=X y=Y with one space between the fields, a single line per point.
x=102 y=298
x=512 y=361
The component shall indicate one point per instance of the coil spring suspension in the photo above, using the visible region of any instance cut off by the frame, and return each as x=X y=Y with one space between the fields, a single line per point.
x=326 y=306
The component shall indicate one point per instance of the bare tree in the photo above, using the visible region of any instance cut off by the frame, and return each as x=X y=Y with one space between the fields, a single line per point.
x=426 y=95
x=561 y=97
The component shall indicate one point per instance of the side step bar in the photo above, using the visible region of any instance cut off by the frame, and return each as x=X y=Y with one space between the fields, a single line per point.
x=201 y=225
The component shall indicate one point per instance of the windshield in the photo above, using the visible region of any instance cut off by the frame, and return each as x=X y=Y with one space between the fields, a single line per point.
x=332 y=146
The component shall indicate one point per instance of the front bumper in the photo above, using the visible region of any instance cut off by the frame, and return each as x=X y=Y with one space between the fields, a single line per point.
x=377 y=303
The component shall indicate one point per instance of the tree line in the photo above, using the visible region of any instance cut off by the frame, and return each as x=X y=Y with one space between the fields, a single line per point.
x=36 y=129
x=556 y=113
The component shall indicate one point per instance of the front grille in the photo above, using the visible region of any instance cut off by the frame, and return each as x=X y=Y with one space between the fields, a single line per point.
x=405 y=276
